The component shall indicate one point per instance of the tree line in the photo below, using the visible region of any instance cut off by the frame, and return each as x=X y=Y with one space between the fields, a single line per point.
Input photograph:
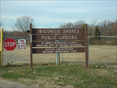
x=104 y=28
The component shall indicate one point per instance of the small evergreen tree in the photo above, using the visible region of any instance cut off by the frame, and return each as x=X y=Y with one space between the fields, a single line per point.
x=97 y=33
x=83 y=26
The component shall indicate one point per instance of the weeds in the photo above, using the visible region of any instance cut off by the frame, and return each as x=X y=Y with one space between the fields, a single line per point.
x=62 y=75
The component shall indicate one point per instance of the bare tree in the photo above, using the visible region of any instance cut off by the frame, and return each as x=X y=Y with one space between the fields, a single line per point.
x=23 y=24
x=79 y=24
x=107 y=27
x=114 y=28
x=63 y=26
x=94 y=22
x=69 y=25
x=90 y=31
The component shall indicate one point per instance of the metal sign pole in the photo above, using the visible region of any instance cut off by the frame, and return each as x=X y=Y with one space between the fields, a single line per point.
x=56 y=55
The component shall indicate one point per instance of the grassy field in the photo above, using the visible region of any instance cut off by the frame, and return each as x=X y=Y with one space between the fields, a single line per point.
x=65 y=75
x=97 y=54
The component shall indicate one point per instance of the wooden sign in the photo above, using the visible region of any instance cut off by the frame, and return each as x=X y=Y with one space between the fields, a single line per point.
x=51 y=36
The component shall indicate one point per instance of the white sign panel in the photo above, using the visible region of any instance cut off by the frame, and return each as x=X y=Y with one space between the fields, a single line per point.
x=21 y=44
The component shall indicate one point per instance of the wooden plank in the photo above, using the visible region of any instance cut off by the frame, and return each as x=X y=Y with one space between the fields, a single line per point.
x=57 y=31
x=58 y=37
x=57 y=50
x=53 y=44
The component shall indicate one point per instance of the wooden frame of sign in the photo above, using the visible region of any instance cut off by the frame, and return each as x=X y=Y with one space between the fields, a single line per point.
x=46 y=37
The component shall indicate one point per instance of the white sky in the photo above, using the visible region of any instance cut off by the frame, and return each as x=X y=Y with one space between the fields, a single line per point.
x=53 y=13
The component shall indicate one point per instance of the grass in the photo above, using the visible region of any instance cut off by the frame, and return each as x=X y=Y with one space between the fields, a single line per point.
x=97 y=53
x=64 y=74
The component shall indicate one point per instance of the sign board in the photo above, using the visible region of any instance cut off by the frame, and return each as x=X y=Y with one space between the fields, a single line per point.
x=52 y=37
x=21 y=44
x=9 y=44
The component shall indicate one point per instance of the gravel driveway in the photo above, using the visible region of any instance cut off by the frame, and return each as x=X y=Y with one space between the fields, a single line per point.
x=10 y=84
x=8 y=58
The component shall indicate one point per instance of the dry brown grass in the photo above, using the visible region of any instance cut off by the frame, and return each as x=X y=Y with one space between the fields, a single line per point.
x=97 y=53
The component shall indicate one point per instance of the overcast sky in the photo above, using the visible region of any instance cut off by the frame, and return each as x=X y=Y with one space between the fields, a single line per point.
x=53 y=13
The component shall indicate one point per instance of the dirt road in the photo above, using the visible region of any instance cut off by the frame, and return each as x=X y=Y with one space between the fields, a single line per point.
x=10 y=84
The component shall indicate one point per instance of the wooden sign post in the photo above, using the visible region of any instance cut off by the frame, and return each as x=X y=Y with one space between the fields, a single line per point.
x=31 y=47
x=86 y=47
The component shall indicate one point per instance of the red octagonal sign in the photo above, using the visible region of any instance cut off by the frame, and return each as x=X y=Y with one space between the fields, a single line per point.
x=9 y=44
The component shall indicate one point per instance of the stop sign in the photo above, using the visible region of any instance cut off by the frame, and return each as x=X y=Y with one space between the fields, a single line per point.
x=9 y=44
